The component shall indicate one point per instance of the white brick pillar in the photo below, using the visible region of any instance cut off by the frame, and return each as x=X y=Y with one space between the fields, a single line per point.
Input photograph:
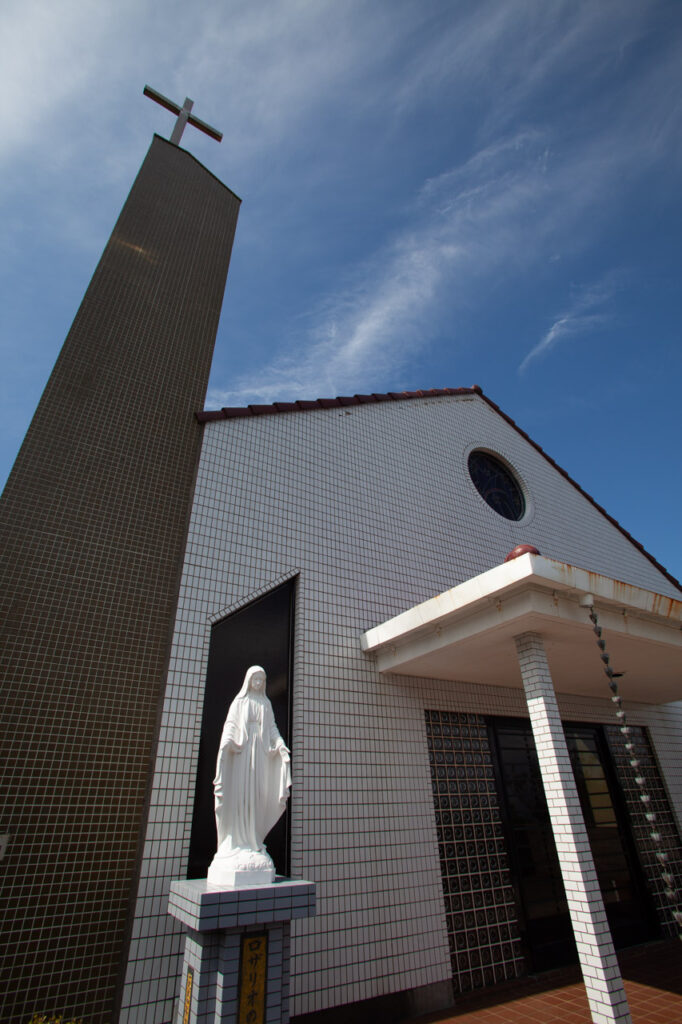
x=601 y=973
x=237 y=948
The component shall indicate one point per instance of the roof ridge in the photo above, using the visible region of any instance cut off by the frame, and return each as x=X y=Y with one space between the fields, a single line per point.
x=234 y=412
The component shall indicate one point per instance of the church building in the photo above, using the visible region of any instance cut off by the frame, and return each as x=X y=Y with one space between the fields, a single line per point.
x=431 y=597
x=325 y=541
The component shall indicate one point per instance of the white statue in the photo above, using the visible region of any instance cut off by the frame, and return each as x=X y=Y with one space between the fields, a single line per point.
x=251 y=786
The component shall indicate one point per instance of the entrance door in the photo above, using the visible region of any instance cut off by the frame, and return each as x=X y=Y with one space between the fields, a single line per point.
x=544 y=911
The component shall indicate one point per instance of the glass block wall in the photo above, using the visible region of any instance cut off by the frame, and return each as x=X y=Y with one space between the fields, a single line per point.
x=641 y=828
x=485 y=945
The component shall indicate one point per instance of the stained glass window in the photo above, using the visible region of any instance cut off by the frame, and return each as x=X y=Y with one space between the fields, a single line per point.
x=497 y=485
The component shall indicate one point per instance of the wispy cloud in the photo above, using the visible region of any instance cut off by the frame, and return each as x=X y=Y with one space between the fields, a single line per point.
x=582 y=316
x=483 y=222
x=522 y=198
x=261 y=69
x=461 y=225
x=361 y=334
x=283 y=75
x=53 y=66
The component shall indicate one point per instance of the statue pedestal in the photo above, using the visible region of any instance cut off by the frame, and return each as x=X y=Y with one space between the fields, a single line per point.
x=240 y=869
x=236 y=964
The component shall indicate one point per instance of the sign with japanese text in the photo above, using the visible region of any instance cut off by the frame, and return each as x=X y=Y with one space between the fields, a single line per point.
x=188 y=995
x=252 y=975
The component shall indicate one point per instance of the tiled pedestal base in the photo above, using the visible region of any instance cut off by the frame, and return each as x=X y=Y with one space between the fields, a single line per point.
x=237 y=949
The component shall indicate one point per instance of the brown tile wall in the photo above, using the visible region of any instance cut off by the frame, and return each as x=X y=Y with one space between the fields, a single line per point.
x=92 y=530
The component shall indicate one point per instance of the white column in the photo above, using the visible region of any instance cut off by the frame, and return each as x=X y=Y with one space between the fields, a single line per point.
x=601 y=973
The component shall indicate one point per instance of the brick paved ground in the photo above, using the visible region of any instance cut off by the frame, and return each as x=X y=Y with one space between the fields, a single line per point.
x=653 y=982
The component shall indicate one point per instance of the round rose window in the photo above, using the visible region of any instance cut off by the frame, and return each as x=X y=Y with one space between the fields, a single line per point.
x=497 y=485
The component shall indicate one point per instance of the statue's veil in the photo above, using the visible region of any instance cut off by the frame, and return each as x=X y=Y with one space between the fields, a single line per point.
x=247 y=681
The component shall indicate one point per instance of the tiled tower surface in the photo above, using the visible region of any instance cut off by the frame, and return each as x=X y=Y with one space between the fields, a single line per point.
x=93 y=523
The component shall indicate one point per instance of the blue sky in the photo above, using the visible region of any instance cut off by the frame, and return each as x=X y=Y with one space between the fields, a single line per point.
x=435 y=194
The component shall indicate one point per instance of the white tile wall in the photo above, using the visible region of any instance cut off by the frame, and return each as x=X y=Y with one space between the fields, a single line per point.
x=373 y=507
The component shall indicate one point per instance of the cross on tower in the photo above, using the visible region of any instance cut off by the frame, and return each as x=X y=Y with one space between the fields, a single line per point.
x=184 y=116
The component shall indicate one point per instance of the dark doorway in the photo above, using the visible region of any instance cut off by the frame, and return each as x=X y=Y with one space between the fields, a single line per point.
x=259 y=634
x=544 y=917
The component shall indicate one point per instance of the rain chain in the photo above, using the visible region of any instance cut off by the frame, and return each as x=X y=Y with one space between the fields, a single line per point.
x=661 y=856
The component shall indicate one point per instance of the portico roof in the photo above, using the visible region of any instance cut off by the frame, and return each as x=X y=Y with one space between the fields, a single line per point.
x=467 y=633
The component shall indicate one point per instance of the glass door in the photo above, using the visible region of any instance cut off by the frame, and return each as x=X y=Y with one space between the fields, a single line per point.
x=622 y=886
x=544 y=917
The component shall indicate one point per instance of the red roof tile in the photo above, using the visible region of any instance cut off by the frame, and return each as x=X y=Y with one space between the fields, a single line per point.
x=229 y=413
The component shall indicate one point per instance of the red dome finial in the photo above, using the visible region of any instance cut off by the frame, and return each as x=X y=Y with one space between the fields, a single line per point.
x=521 y=549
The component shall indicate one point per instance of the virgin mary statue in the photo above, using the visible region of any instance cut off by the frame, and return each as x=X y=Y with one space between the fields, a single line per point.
x=251 y=786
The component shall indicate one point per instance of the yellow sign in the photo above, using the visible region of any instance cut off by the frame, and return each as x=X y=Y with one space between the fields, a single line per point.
x=188 y=995
x=252 y=979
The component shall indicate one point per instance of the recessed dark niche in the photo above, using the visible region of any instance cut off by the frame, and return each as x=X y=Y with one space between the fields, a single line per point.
x=259 y=634
x=497 y=484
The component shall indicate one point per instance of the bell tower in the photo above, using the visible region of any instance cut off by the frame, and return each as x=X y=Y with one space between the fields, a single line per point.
x=93 y=523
